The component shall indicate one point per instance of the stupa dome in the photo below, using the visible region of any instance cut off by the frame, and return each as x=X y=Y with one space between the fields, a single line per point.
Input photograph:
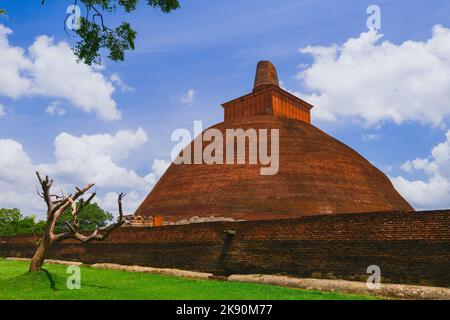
x=317 y=174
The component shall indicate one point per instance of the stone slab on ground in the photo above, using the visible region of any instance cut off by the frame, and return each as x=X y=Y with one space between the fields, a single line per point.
x=65 y=263
x=344 y=286
x=168 y=272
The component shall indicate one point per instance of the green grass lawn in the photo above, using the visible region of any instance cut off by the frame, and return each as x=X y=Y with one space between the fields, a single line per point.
x=16 y=283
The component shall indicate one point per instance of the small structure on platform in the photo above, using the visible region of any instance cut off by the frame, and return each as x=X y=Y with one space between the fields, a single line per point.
x=144 y=221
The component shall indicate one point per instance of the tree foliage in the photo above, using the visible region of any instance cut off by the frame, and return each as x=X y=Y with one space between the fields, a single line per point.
x=96 y=35
x=90 y=218
x=12 y=223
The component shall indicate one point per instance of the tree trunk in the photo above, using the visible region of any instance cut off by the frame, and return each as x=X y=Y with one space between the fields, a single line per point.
x=39 y=256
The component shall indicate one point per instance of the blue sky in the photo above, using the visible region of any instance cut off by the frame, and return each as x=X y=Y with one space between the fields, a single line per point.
x=211 y=48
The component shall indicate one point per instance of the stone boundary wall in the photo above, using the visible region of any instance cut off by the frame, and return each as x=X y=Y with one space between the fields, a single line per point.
x=409 y=248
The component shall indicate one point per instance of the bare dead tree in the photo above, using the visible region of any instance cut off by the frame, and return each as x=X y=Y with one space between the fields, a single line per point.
x=56 y=205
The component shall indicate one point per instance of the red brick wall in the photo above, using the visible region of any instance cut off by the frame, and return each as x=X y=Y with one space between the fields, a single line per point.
x=288 y=107
x=408 y=247
x=268 y=101
x=249 y=105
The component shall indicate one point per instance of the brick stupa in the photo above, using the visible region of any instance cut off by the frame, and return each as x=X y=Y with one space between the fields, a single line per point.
x=317 y=173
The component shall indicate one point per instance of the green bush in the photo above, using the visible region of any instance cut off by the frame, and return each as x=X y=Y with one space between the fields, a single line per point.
x=13 y=223
x=91 y=217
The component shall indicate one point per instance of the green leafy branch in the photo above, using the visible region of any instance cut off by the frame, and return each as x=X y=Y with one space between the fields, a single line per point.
x=96 y=35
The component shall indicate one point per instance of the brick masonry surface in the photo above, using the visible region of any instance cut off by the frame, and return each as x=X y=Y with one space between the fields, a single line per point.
x=408 y=247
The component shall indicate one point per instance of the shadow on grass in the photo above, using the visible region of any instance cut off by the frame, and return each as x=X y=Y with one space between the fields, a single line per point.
x=95 y=286
x=50 y=279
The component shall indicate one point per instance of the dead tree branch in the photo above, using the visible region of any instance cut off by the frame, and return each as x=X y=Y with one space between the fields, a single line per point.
x=56 y=205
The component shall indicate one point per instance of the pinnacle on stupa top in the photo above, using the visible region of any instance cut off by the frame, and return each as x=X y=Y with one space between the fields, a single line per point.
x=266 y=74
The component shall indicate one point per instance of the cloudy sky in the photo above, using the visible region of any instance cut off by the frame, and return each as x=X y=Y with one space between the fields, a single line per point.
x=385 y=93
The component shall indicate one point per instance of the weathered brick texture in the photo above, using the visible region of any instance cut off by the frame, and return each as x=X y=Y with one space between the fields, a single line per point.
x=317 y=174
x=408 y=247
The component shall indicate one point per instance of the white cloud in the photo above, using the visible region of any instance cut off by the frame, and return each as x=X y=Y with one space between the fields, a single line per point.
x=78 y=161
x=115 y=78
x=12 y=65
x=433 y=191
x=130 y=203
x=160 y=166
x=14 y=162
x=370 y=136
x=2 y=110
x=158 y=169
x=55 y=109
x=387 y=168
x=188 y=97
x=17 y=185
x=373 y=81
x=89 y=158
x=50 y=69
